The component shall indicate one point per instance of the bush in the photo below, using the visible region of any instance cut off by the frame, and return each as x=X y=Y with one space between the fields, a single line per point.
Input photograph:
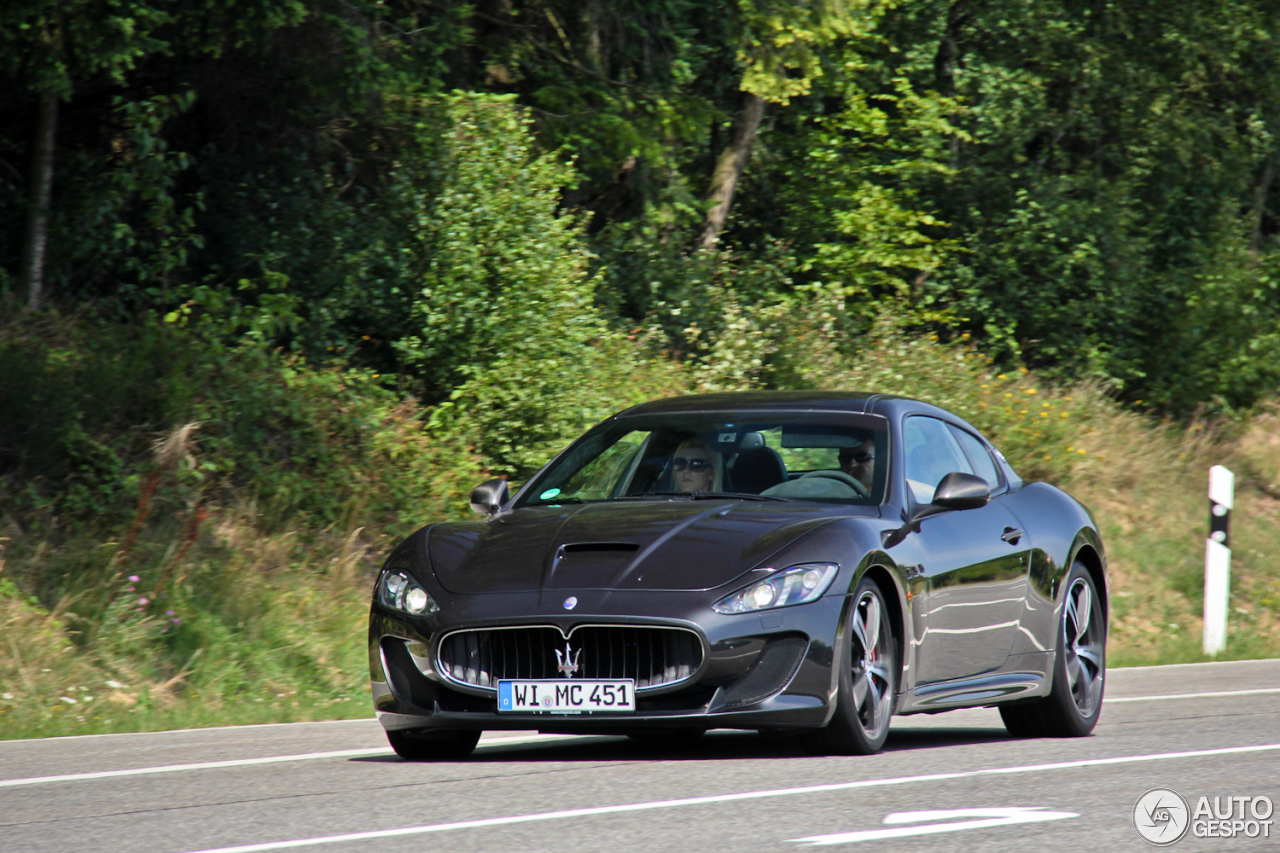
x=1032 y=423
x=505 y=312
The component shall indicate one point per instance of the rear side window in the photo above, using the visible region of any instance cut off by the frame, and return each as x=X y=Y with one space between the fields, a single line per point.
x=983 y=465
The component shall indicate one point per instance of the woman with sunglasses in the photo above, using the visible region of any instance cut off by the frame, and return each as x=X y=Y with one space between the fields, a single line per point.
x=697 y=469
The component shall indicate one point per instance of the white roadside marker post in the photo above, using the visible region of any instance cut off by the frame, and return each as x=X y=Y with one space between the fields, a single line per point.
x=1217 y=559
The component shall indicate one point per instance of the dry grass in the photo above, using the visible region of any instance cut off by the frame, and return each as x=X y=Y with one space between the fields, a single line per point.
x=250 y=628
x=1147 y=486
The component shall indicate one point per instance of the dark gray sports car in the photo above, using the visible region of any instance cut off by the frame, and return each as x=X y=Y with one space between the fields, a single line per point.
x=786 y=562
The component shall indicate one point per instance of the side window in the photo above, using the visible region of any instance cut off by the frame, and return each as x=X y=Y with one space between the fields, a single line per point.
x=931 y=454
x=983 y=465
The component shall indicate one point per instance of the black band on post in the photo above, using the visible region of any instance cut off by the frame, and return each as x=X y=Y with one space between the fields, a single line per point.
x=1219 y=523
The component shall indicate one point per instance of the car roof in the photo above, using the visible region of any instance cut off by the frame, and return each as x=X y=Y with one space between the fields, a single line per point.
x=859 y=402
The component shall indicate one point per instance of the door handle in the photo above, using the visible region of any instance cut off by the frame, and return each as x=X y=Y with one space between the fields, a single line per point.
x=1012 y=535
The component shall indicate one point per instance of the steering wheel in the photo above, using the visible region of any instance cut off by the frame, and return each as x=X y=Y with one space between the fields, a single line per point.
x=848 y=479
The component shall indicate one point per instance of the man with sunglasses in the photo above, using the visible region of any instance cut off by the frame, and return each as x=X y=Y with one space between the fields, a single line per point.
x=859 y=461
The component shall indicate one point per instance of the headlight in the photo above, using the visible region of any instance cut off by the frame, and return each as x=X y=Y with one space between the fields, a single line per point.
x=796 y=585
x=400 y=592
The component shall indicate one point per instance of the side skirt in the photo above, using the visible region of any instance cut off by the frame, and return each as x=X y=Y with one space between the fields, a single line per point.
x=1023 y=677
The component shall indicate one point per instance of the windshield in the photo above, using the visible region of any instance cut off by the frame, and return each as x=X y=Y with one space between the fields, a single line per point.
x=830 y=457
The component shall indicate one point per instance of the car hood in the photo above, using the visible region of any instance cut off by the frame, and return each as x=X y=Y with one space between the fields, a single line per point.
x=642 y=545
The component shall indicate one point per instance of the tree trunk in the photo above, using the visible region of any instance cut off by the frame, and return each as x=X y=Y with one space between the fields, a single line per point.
x=729 y=167
x=1259 y=211
x=31 y=275
x=944 y=62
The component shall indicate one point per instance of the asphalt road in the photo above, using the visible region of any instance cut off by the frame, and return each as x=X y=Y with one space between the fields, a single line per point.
x=949 y=782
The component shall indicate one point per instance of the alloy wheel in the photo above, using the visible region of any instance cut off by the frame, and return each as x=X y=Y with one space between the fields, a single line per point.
x=871 y=659
x=1083 y=638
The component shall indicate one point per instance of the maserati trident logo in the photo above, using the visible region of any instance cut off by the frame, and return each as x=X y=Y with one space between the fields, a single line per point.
x=567 y=661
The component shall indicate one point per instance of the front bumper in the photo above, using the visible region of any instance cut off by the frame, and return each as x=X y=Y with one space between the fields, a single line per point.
x=770 y=671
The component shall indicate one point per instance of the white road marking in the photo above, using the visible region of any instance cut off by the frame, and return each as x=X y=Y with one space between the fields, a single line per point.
x=203 y=765
x=1213 y=695
x=725 y=798
x=984 y=818
x=248 y=762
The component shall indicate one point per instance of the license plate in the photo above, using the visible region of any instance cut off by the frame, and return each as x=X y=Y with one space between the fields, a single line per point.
x=566 y=696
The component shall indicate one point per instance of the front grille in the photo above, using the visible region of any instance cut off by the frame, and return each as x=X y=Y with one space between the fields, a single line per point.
x=653 y=657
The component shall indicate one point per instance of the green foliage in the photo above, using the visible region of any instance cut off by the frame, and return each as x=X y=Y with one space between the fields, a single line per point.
x=629 y=86
x=125 y=218
x=505 y=312
x=78 y=402
x=1223 y=345
x=1117 y=156
x=779 y=49
x=78 y=423
x=1080 y=187
x=1036 y=427
x=158 y=245
x=53 y=46
x=846 y=175
x=730 y=327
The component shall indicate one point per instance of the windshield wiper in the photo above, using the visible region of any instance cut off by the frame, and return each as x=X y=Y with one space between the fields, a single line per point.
x=745 y=496
x=641 y=495
x=701 y=496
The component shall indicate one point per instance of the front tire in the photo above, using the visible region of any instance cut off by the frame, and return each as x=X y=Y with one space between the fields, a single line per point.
x=433 y=746
x=868 y=680
x=1074 y=702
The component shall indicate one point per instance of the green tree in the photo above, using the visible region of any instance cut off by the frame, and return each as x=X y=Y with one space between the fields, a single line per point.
x=505 y=313
x=1117 y=155
x=55 y=48
x=53 y=45
x=779 y=48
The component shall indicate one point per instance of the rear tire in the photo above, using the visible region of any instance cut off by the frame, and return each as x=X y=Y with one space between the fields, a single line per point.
x=1074 y=702
x=433 y=746
x=868 y=680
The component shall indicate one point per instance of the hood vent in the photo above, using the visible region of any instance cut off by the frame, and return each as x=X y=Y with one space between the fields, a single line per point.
x=599 y=548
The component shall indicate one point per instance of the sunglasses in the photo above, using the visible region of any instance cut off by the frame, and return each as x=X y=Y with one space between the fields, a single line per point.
x=680 y=463
x=860 y=458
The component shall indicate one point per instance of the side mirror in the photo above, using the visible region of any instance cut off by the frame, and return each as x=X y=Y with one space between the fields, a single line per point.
x=955 y=491
x=962 y=491
x=488 y=497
